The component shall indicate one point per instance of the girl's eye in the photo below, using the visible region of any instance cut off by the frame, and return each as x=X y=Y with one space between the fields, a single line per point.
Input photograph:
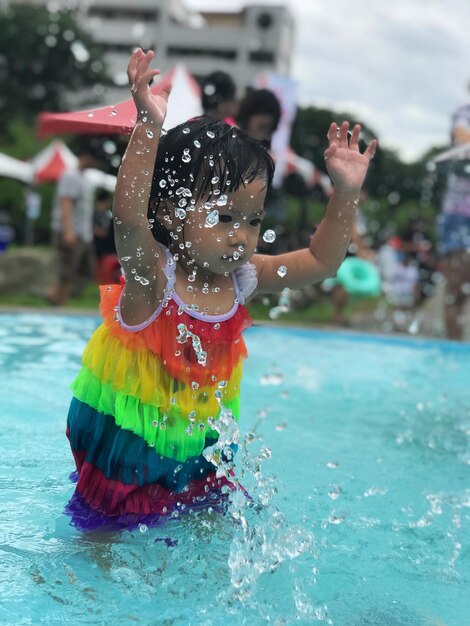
x=225 y=218
x=255 y=222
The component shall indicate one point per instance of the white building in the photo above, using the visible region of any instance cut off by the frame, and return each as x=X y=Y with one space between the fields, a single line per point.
x=255 y=39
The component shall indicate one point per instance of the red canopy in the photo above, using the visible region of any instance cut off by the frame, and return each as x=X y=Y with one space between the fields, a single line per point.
x=117 y=119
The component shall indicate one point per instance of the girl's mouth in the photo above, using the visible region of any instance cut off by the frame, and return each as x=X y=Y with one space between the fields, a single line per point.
x=232 y=257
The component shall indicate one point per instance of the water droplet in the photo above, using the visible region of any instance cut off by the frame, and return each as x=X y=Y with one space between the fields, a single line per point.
x=269 y=236
x=214 y=180
x=90 y=114
x=149 y=133
x=216 y=326
x=222 y=201
x=126 y=258
x=210 y=134
x=194 y=385
x=180 y=214
x=212 y=219
x=186 y=131
x=334 y=492
x=197 y=143
x=282 y=271
x=162 y=183
x=113 y=112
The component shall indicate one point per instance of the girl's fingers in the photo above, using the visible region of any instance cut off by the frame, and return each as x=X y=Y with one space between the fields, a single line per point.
x=354 y=140
x=331 y=150
x=139 y=63
x=343 y=133
x=145 y=78
x=341 y=137
x=370 y=150
x=134 y=59
x=331 y=134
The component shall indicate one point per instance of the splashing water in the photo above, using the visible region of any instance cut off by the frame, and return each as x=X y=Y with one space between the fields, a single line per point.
x=264 y=539
x=269 y=236
x=283 y=305
x=184 y=335
x=212 y=219
x=282 y=271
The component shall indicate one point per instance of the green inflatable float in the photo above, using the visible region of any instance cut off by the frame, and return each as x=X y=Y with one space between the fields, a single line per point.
x=358 y=277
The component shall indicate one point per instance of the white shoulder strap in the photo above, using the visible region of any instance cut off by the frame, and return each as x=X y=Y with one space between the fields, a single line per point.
x=246 y=280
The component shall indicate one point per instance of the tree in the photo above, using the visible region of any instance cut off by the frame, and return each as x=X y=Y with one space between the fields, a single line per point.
x=396 y=190
x=44 y=55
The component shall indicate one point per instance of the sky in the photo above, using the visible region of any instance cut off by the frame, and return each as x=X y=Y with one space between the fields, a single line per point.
x=402 y=66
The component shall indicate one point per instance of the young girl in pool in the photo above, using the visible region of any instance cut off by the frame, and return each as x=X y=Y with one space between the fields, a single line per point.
x=166 y=362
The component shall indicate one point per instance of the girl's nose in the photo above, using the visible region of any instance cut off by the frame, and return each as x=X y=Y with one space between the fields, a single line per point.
x=238 y=237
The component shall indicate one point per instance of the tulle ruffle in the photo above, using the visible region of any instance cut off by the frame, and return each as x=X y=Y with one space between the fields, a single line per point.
x=125 y=457
x=169 y=430
x=222 y=341
x=113 y=498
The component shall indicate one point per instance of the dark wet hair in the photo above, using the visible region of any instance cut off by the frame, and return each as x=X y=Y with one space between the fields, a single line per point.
x=216 y=88
x=259 y=102
x=205 y=157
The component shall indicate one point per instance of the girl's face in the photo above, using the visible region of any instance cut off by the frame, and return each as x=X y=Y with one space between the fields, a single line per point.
x=231 y=242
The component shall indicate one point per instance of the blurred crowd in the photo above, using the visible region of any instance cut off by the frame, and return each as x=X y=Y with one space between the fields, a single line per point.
x=410 y=262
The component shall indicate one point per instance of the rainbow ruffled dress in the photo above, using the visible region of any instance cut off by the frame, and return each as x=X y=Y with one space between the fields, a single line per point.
x=144 y=406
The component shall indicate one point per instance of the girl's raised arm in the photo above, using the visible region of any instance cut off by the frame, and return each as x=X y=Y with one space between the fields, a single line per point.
x=347 y=168
x=135 y=244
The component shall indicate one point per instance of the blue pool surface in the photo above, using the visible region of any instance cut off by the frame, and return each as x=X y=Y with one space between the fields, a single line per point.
x=358 y=468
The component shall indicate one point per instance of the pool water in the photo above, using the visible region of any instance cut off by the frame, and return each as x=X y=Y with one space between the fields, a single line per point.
x=355 y=451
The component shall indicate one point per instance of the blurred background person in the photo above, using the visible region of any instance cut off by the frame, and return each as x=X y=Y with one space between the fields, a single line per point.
x=218 y=100
x=108 y=268
x=72 y=229
x=259 y=114
x=453 y=231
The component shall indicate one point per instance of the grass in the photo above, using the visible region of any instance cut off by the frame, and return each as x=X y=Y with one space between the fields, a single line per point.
x=89 y=299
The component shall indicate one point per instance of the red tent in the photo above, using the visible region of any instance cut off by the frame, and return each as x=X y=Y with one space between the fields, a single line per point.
x=50 y=163
x=117 y=119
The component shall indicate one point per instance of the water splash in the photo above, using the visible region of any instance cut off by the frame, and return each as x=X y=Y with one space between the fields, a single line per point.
x=283 y=304
x=184 y=335
x=269 y=236
x=212 y=219
x=263 y=539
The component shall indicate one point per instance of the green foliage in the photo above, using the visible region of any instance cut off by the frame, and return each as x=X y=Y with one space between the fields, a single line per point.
x=23 y=144
x=395 y=191
x=43 y=55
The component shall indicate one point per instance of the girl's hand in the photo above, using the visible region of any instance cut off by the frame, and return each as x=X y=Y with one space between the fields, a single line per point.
x=346 y=166
x=151 y=107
